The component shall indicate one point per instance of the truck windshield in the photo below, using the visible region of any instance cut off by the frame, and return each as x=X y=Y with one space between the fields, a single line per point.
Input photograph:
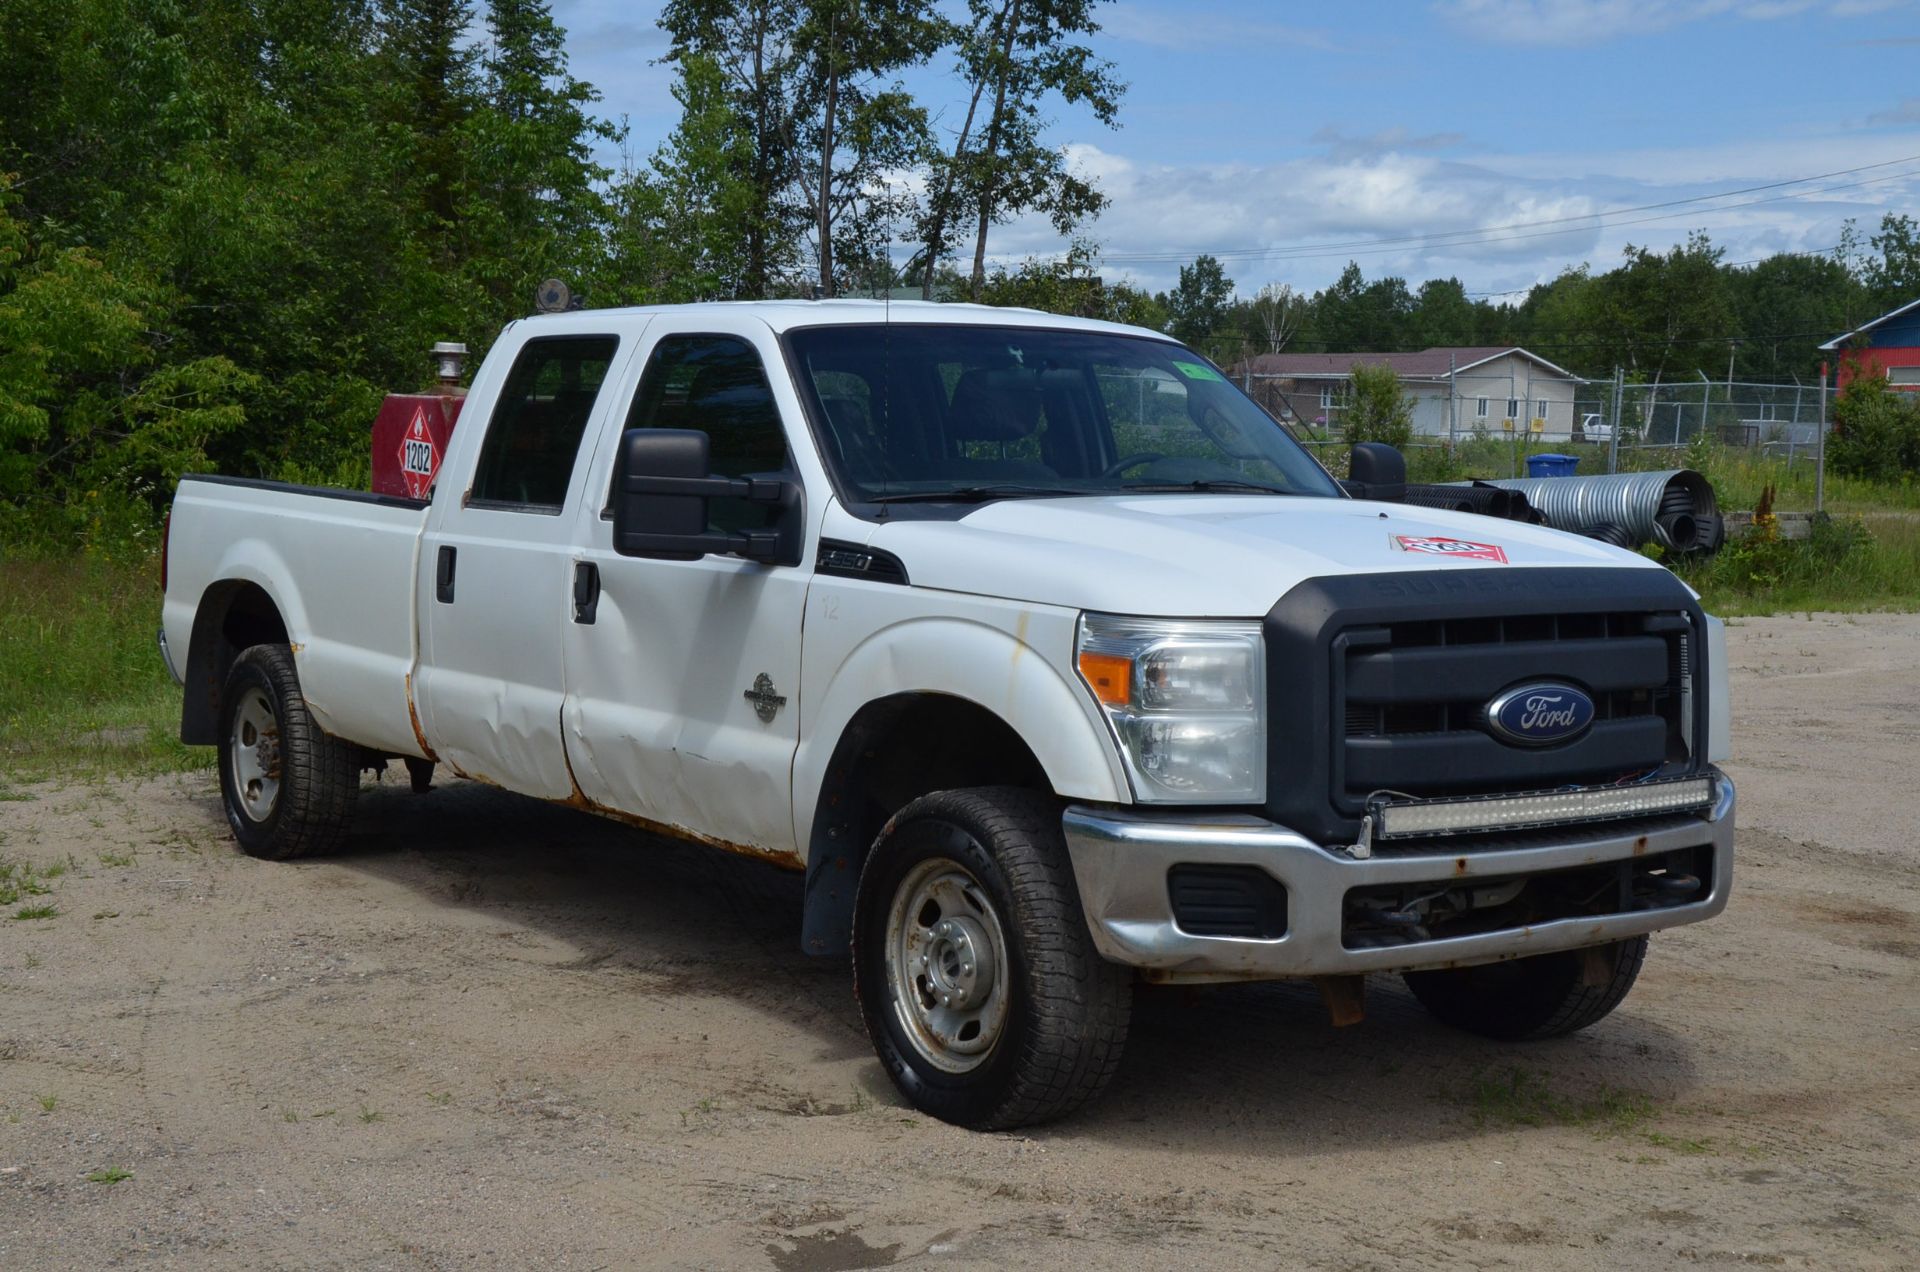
x=926 y=412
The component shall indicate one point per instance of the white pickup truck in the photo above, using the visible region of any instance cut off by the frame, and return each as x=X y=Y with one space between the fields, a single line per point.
x=1045 y=653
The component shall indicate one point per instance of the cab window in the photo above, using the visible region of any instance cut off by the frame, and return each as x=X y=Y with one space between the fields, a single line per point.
x=534 y=435
x=717 y=385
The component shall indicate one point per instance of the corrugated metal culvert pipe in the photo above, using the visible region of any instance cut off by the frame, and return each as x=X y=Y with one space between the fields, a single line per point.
x=1675 y=509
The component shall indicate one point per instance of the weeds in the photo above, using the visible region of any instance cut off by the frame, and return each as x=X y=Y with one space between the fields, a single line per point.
x=369 y=1116
x=1515 y=1097
x=116 y=860
x=37 y=912
x=83 y=692
x=48 y=1103
x=111 y=1175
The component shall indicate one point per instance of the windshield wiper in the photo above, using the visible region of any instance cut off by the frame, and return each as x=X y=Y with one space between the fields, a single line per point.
x=1206 y=485
x=979 y=494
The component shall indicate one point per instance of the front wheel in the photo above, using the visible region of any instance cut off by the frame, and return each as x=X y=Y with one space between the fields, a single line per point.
x=1543 y=996
x=977 y=978
x=288 y=786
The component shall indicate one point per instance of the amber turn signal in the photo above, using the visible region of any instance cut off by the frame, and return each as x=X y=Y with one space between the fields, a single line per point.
x=1110 y=676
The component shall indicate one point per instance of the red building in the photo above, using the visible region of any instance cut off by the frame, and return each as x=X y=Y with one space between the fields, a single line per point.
x=1888 y=347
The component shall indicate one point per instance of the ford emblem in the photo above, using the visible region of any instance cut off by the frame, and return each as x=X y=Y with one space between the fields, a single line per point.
x=1540 y=714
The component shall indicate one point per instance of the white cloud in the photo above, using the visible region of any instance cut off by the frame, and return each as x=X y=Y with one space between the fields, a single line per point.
x=1300 y=221
x=1580 y=22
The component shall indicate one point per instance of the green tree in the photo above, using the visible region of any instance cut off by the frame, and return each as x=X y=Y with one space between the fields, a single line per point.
x=1443 y=315
x=1377 y=409
x=1876 y=431
x=1015 y=56
x=93 y=425
x=680 y=227
x=854 y=126
x=755 y=43
x=1893 y=278
x=535 y=206
x=1198 y=304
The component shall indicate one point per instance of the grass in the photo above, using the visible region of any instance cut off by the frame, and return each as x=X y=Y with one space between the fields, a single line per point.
x=1849 y=565
x=37 y=912
x=83 y=693
x=1517 y=1097
x=19 y=879
x=111 y=1175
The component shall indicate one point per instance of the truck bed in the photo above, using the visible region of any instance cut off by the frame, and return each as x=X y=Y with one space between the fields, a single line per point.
x=339 y=566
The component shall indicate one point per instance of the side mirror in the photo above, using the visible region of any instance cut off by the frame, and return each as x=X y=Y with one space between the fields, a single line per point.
x=1376 y=470
x=661 y=485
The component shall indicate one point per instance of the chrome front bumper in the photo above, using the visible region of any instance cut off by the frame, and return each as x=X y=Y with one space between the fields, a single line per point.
x=1121 y=860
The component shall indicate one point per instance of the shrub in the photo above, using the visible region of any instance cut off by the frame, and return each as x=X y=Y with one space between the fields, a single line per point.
x=1378 y=410
x=1876 y=431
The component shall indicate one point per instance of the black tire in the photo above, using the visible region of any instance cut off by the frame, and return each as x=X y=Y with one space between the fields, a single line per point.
x=317 y=775
x=1529 y=998
x=1064 y=1020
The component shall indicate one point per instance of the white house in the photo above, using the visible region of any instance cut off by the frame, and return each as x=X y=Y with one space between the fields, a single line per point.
x=1496 y=389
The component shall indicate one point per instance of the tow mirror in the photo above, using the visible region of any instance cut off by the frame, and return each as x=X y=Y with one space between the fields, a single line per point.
x=1376 y=470
x=661 y=485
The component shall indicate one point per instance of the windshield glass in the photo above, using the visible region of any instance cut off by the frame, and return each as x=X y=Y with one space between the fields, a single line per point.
x=926 y=412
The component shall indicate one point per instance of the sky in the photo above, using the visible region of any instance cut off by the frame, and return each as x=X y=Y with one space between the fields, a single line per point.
x=1496 y=141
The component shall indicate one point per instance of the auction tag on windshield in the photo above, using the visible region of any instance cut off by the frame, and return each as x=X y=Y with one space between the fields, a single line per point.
x=1460 y=549
x=1199 y=371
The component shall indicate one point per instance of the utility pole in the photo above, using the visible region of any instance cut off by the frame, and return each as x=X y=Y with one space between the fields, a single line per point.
x=1453 y=404
x=1820 y=448
x=1613 y=434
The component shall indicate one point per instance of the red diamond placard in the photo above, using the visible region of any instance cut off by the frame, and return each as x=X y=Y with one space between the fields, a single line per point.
x=419 y=455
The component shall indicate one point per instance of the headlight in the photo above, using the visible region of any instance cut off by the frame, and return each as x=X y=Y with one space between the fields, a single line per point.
x=1185 y=701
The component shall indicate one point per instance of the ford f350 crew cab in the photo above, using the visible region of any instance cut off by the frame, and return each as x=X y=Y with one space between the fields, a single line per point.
x=1050 y=658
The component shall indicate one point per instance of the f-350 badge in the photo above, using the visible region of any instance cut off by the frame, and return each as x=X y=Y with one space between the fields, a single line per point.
x=765 y=701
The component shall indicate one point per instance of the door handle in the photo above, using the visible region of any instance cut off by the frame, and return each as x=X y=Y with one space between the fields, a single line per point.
x=586 y=591
x=443 y=575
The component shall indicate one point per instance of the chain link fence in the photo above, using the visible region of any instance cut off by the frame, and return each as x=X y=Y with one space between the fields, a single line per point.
x=1537 y=411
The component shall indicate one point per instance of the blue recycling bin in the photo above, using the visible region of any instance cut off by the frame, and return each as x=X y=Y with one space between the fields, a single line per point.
x=1552 y=465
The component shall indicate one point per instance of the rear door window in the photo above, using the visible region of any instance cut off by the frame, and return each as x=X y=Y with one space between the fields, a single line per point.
x=534 y=436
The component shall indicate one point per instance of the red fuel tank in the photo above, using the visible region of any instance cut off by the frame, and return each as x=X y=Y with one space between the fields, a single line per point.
x=412 y=431
x=410 y=437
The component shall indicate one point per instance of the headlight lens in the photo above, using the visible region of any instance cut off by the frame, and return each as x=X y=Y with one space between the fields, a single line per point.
x=1184 y=699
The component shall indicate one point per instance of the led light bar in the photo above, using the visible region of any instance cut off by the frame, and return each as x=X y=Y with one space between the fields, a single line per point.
x=1546 y=808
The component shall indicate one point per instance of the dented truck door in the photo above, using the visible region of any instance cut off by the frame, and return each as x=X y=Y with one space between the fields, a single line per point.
x=683 y=702
x=494 y=589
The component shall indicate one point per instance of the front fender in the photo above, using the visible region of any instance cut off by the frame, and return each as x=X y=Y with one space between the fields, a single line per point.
x=1000 y=668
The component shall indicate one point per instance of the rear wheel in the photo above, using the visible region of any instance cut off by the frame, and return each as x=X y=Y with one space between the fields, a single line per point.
x=1544 y=996
x=287 y=786
x=980 y=987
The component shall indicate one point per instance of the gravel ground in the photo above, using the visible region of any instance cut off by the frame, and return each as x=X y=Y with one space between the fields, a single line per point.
x=498 y=1034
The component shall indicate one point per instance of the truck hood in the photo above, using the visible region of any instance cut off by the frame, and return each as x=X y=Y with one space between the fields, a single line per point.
x=1209 y=555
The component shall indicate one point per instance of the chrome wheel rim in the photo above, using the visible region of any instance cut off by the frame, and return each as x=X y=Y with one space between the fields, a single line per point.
x=254 y=749
x=947 y=965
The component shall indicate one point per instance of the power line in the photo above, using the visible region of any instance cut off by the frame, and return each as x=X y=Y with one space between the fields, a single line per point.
x=1503 y=233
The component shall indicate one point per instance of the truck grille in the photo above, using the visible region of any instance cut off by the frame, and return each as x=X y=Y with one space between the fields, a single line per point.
x=1415 y=694
x=1408 y=664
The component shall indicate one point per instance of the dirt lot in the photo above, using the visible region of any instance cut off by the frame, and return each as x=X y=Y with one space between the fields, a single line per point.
x=499 y=1034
